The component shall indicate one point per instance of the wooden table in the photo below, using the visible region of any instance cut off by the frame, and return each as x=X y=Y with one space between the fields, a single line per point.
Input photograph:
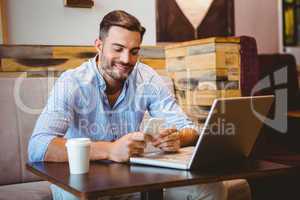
x=108 y=178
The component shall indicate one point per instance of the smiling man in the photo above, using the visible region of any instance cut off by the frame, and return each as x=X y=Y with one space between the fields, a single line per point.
x=105 y=100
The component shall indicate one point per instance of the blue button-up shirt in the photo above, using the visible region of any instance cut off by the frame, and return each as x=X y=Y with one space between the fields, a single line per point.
x=79 y=107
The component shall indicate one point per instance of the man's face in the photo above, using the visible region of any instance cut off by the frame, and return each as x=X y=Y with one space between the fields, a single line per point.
x=119 y=53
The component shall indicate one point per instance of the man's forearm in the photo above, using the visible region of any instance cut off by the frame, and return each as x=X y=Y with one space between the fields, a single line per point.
x=188 y=137
x=57 y=151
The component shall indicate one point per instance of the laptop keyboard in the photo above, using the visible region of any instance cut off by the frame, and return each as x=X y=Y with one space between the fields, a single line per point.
x=184 y=155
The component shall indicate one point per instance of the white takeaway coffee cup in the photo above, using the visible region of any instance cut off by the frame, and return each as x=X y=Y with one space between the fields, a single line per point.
x=78 y=155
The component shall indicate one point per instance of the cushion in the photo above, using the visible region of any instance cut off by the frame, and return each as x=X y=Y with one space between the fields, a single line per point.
x=26 y=191
x=10 y=157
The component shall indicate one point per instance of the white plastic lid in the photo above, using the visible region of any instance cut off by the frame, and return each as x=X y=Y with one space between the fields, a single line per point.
x=78 y=142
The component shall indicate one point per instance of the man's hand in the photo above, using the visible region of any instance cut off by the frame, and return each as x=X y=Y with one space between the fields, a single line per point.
x=125 y=147
x=168 y=140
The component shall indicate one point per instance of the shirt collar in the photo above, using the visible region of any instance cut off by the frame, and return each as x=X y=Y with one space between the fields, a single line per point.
x=100 y=79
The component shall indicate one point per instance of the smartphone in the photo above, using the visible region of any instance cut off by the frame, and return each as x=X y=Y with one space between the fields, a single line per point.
x=153 y=126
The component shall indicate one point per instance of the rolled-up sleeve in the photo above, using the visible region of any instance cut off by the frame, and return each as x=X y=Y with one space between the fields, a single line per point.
x=162 y=103
x=55 y=118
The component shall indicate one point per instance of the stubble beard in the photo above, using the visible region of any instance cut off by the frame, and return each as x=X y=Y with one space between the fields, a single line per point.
x=107 y=68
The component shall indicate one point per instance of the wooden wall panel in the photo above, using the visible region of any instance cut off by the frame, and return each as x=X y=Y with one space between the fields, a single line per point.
x=15 y=65
x=74 y=52
x=60 y=58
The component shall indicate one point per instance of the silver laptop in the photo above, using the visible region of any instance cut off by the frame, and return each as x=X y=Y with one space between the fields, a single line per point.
x=229 y=134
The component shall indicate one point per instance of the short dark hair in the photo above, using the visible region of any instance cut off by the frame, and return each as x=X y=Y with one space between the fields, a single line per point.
x=122 y=19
